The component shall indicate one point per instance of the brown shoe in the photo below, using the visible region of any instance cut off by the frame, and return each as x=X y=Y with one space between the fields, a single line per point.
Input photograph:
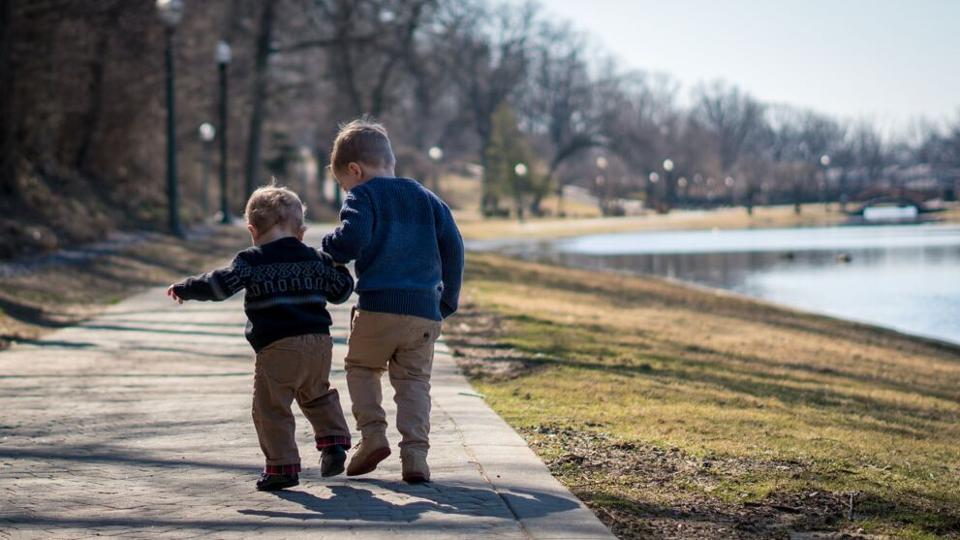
x=370 y=452
x=415 y=468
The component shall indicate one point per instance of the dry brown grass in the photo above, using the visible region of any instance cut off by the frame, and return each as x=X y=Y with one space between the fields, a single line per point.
x=57 y=296
x=787 y=406
x=812 y=215
x=721 y=218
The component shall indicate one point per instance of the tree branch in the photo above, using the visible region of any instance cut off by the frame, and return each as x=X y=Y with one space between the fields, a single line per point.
x=320 y=43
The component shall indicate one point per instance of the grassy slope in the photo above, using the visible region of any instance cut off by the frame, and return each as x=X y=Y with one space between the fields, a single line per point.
x=56 y=296
x=652 y=400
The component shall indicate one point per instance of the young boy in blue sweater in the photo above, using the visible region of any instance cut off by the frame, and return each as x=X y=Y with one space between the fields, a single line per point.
x=409 y=266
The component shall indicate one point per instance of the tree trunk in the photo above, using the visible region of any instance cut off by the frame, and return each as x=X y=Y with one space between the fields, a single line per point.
x=488 y=201
x=91 y=118
x=535 y=205
x=264 y=38
x=323 y=155
x=8 y=150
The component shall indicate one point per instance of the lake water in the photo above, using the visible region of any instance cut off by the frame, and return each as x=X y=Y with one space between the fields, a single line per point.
x=902 y=277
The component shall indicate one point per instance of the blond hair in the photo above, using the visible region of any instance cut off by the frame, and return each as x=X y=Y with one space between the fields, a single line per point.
x=274 y=205
x=362 y=141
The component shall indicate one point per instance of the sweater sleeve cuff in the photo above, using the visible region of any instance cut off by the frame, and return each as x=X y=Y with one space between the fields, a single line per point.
x=332 y=251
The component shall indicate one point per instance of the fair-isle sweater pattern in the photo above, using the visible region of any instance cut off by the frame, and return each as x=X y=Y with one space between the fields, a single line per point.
x=408 y=250
x=287 y=286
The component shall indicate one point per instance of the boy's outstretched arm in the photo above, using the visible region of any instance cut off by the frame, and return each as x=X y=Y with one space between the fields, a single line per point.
x=450 y=245
x=338 y=283
x=217 y=285
x=356 y=227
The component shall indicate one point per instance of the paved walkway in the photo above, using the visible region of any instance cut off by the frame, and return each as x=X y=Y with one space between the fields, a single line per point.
x=137 y=424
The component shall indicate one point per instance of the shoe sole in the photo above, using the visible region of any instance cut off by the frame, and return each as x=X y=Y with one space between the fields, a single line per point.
x=371 y=462
x=278 y=487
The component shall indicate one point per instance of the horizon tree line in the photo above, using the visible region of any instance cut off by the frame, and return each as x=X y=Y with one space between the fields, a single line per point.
x=81 y=100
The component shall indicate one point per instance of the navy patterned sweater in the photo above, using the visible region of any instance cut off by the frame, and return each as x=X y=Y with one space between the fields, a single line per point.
x=407 y=246
x=287 y=283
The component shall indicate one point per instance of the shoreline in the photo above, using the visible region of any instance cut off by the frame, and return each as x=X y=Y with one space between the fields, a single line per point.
x=719 y=291
x=542 y=251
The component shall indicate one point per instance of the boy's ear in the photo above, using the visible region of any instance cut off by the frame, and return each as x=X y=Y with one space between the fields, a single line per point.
x=303 y=229
x=355 y=169
x=253 y=230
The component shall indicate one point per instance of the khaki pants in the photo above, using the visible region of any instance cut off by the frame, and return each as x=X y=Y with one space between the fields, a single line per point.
x=403 y=346
x=295 y=368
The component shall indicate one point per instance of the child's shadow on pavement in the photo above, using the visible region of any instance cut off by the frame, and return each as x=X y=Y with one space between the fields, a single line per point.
x=351 y=503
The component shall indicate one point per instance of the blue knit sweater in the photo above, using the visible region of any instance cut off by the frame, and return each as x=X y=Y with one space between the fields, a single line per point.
x=407 y=246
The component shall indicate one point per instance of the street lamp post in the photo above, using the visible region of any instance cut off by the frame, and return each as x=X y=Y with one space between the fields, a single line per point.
x=223 y=55
x=520 y=171
x=600 y=181
x=825 y=164
x=669 y=187
x=651 y=190
x=436 y=154
x=307 y=168
x=207 y=134
x=171 y=12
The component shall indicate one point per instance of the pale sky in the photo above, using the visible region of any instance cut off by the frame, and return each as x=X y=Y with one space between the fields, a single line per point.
x=885 y=60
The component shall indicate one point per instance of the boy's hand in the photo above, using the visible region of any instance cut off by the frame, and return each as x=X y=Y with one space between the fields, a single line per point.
x=173 y=295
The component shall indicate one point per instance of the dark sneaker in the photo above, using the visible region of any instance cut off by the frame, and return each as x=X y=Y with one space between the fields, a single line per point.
x=274 y=482
x=332 y=459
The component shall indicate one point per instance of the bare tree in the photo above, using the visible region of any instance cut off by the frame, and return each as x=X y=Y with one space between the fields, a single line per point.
x=639 y=117
x=869 y=153
x=734 y=117
x=559 y=102
x=262 y=57
x=488 y=58
x=8 y=146
x=105 y=21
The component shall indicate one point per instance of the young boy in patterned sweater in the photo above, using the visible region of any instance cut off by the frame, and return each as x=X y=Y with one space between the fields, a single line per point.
x=287 y=287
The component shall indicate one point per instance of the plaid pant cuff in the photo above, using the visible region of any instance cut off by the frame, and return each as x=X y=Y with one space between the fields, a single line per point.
x=333 y=440
x=292 y=468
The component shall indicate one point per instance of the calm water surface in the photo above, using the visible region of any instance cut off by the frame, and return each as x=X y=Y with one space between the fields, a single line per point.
x=903 y=277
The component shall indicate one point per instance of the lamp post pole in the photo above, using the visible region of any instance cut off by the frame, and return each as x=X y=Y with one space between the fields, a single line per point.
x=436 y=154
x=519 y=172
x=600 y=181
x=173 y=188
x=171 y=11
x=651 y=187
x=223 y=60
x=825 y=165
x=207 y=134
x=669 y=187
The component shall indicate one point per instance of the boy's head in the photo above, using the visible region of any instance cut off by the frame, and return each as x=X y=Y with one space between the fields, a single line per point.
x=273 y=212
x=361 y=151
